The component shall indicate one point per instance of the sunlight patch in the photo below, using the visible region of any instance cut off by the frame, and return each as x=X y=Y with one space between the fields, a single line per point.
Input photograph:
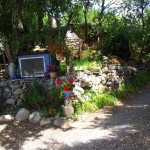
x=2 y=127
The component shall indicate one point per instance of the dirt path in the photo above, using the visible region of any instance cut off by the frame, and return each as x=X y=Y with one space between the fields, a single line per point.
x=124 y=127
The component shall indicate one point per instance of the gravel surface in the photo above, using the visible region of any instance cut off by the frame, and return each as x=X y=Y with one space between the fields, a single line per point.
x=125 y=127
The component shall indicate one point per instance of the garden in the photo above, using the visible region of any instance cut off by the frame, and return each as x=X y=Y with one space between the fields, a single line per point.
x=55 y=64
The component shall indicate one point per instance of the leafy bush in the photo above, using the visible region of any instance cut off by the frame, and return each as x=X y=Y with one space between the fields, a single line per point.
x=56 y=96
x=34 y=97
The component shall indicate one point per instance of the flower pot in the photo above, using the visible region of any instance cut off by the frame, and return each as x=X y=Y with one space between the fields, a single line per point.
x=113 y=66
x=68 y=94
x=53 y=74
x=59 y=57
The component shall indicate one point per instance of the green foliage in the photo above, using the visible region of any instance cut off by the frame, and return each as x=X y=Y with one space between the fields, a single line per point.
x=56 y=100
x=34 y=97
x=98 y=101
x=84 y=63
x=95 y=103
x=139 y=80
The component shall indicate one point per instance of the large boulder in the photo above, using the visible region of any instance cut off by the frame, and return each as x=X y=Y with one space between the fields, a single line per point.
x=35 y=117
x=22 y=114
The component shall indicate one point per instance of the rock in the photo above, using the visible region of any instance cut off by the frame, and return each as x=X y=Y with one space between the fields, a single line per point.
x=6 y=118
x=24 y=87
x=7 y=89
x=85 y=84
x=14 y=86
x=3 y=84
x=81 y=90
x=35 y=117
x=18 y=91
x=7 y=94
x=104 y=82
x=101 y=88
x=45 y=121
x=19 y=101
x=61 y=122
x=21 y=96
x=69 y=110
x=10 y=101
x=22 y=114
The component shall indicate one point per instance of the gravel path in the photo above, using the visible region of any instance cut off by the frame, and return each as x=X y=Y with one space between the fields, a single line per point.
x=125 y=127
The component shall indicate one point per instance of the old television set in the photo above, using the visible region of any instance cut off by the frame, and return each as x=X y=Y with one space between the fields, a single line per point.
x=33 y=65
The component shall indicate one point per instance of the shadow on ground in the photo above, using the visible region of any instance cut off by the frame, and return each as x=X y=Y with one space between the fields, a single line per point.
x=119 y=128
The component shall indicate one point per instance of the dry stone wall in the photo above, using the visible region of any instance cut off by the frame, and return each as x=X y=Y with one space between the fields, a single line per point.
x=98 y=80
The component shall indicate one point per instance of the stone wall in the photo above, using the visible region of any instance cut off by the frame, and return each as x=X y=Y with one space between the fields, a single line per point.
x=107 y=78
x=99 y=80
x=13 y=90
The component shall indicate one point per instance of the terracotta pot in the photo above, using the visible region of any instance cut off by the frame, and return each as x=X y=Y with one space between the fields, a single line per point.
x=53 y=74
x=59 y=57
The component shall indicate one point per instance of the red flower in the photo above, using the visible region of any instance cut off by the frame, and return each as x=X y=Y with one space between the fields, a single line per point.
x=56 y=47
x=59 y=81
x=71 y=80
x=62 y=51
x=66 y=88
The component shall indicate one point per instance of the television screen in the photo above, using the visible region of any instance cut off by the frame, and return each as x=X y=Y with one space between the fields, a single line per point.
x=32 y=67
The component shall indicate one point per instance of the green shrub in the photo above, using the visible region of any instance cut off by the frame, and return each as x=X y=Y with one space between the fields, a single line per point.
x=34 y=97
x=95 y=103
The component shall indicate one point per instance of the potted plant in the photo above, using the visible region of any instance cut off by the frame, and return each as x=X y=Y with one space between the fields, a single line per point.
x=67 y=86
x=60 y=51
x=52 y=70
x=114 y=63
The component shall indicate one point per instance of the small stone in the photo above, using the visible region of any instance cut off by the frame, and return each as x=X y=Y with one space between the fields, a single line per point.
x=35 y=117
x=21 y=96
x=45 y=121
x=18 y=91
x=79 y=89
x=6 y=118
x=22 y=114
x=19 y=101
x=7 y=89
x=61 y=122
x=3 y=84
x=10 y=101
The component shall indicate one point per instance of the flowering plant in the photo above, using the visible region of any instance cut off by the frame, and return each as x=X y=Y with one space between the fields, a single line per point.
x=52 y=68
x=66 y=85
x=114 y=61
x=59 y=48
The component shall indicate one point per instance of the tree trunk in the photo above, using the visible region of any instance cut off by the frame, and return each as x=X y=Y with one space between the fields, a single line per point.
x=16 y=20
x=86 y=6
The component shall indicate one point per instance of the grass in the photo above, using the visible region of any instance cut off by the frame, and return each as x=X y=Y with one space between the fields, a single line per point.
x=138 y=82
x=98 y=101
x=95 y=103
